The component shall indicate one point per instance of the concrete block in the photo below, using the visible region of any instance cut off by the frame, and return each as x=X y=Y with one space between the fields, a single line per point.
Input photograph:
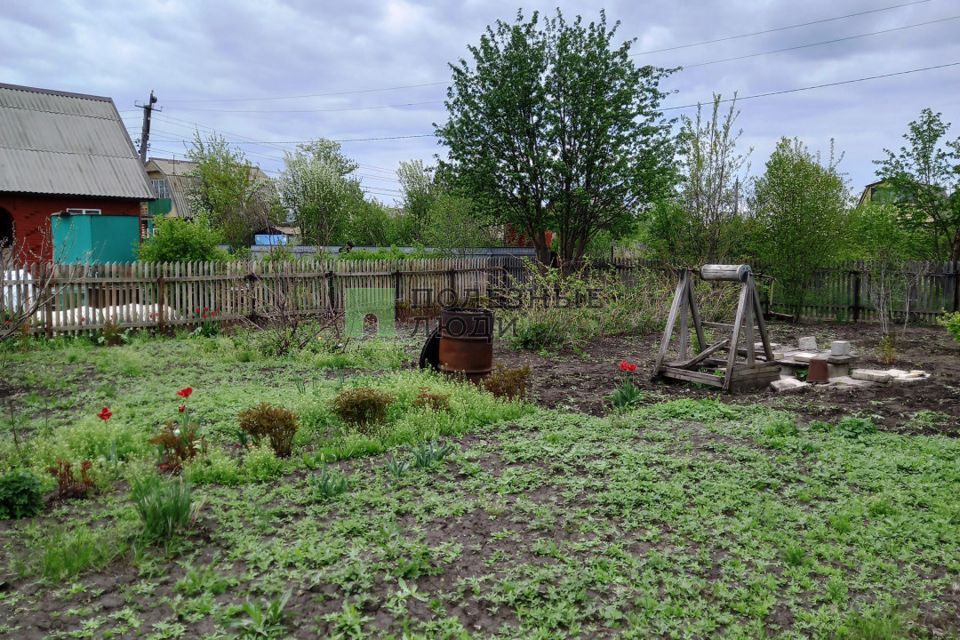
x=803 y=356
x=870 y=375
x=839 y=348
x=788 y=384
x=807 y=343
x=837 y=370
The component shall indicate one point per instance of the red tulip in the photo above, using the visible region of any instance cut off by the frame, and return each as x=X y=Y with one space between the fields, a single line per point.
x=105 y=414
x=627 y=366
x=185 y=392
x=213 y=314
x=182 y=408
x=197 y=310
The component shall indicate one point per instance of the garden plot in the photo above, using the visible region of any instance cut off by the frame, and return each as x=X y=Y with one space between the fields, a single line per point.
x=464 y=515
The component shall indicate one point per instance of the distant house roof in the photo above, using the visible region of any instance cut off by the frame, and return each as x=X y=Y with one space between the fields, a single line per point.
x=180 y=179
x=58 y=143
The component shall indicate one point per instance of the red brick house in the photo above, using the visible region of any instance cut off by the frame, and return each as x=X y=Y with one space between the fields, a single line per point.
x=62 y=152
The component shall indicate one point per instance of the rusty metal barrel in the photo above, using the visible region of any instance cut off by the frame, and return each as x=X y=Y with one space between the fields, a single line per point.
x=466 y=342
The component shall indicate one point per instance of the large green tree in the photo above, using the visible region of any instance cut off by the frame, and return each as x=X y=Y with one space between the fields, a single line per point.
x=553 y=126
x=924 y=177
x=317 y=186
x=799 y=204
x=235 y=197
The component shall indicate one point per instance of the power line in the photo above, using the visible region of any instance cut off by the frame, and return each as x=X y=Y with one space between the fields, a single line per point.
x=687 y=66
x=819 y=86
x=370 y=108
x=445 y=82
x=818 y=44
x=783 y=28
x=668 y=108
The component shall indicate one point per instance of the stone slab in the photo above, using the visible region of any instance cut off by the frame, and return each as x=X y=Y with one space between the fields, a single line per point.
x=804 y=356
x=871 y=375
x=788 y=384
x=847 y=381
x=807 y=343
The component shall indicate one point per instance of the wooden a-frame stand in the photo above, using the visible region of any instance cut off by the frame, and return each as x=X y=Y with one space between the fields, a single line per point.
x=741 y=368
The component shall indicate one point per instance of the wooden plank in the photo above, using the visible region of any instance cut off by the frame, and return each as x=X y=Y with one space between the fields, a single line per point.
x=735 y=338
x=703 y=355
x=692 y=376
x=671 y=318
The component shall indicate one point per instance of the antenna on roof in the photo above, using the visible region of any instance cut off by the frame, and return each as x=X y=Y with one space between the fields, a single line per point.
x=145 y=131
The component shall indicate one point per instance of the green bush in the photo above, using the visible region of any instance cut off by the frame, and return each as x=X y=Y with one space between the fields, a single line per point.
x=216 y=467
x=181 y=240
x=21 y=495
x=362 y=407
x=261 y=464
x=952 y=322
x=277 y=424
x=165 y=506
x=508 y=383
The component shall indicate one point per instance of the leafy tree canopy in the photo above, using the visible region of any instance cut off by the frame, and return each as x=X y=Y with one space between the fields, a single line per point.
x=552 y=126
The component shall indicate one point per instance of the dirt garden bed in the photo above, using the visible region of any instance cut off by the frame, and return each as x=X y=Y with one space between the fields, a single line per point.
x=581 y=382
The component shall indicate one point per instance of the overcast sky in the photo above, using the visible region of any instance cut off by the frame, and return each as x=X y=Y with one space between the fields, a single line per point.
x=243 y=67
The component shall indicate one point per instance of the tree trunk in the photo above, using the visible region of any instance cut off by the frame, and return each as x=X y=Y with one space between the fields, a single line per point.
x=541 y=246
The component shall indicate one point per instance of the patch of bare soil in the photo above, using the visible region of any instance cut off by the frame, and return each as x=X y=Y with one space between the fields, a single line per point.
x=582 y=382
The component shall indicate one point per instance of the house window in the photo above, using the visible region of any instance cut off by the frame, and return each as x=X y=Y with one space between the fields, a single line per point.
x=161 y=187
x=83 y=212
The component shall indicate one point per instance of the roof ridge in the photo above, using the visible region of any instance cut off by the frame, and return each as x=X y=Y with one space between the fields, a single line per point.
x=54 y=92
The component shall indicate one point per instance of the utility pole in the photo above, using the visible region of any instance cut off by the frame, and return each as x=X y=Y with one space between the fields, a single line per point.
x=145 y=131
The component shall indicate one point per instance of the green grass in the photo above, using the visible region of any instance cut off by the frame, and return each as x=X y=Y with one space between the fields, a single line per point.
x=682 y=519
x=691 y=518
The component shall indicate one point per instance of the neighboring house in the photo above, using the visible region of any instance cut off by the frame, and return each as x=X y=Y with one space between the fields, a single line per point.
x=278 y=235
x=879 y=192
x=172 y=181
x=71 y=184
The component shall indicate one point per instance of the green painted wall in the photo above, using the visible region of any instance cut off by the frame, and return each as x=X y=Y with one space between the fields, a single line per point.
x=90 y=239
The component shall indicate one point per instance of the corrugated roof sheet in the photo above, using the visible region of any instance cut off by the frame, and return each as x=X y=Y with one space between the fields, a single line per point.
x=61 y=143
x=177 y=174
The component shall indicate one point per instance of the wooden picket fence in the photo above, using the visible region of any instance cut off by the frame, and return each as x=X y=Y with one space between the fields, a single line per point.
x=76 y=299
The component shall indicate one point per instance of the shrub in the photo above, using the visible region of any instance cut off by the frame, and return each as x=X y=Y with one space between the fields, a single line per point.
x=165 y=506
x=887 y=350
x=952 y=323
x=261 y=464
x=508 y=383
x=277 y=424
x=362 y=407
x=69 y=485
x=538 y=335
x=178 y=443
x=111 y=335
x=216 y=467
x=433 y=401
x=181 y=240
x=21 y=495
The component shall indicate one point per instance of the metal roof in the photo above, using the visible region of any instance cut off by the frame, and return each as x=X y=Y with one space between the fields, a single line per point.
x=180 y=179
x=59 y=143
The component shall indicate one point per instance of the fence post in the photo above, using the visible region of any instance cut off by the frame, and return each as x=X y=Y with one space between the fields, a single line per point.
x=161 y=298
x=856 y=295
x=956 y=285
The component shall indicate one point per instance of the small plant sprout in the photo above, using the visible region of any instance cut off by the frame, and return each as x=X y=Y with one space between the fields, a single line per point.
x=430 y=454
x=397 y=468
x=327 y=484
x=263 y=619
